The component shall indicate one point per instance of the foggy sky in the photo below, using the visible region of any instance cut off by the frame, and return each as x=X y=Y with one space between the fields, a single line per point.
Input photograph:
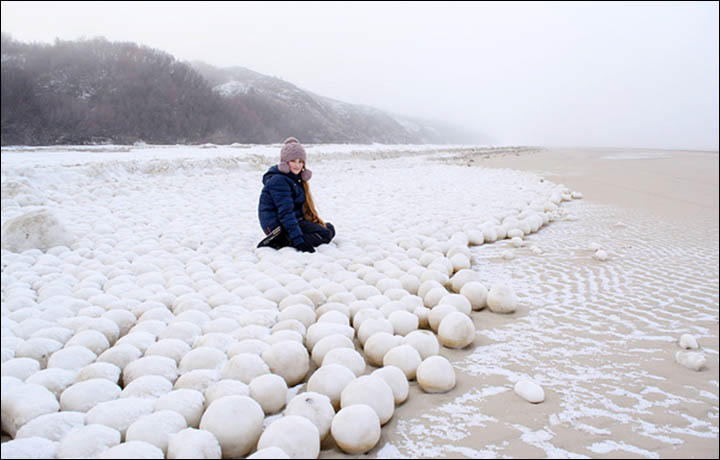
x=557 y=74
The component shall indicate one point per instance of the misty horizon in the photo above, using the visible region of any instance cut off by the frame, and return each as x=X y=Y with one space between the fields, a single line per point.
x=559 y=75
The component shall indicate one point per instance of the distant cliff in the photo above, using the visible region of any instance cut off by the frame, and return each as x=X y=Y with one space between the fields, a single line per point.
x=96 y=91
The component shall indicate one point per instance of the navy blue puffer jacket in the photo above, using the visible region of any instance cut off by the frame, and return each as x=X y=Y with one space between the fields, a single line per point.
x=281 y=203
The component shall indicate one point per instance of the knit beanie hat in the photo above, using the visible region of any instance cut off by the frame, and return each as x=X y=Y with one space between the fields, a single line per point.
x=293 y=150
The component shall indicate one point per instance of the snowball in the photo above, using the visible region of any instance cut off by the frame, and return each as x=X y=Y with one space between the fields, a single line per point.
x=120 y=413
x=147 y=386
x=22 y=403
x=174 y=349
x=424 y=342
x=193 y=443
x=155 y=428
x=150 y=365
x=691 y=359
x=270 y=391
x=281 y=336
x=35 y=229
x=460 y=262
x=436 y=375
x=502 y=299
x=461 y=278
x=347 y=357
x=396 y=380
x=101 y=370
x=85 y=395
x=199 y=379
x=476 y=293
x=236 y=422
x=438 y=313
x=181 y=330
x=456 y=330
x=403 y=322
x=186 y=402
x=202 y=358
x=373 y=391
x=356 y=428
x=372 y=326
x=315 y=407
x=55 y=379
x=290 y=324
x=433 y=297
x=365 y=314
x=295 y=435
x=38 y=349
x=330 y=381
x=600 y=255
x=140 y=340
x=379 y=344
x=530 y=391
x=404 y=357
x=688 y=342
x=301 y=312
x=326 y=344
x=120 y=355
x=288 y=359
x=72 y=357
x=319 y=330
x=460 y=302
x=34 y=447
x=20 y=368
x=133 y=449
x=269 y=453
x=52 y=426
x=88 y=441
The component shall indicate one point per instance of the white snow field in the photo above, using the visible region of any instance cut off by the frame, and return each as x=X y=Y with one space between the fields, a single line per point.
x=132 y=292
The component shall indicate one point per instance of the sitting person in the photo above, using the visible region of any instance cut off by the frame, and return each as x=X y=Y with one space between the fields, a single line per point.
x=286 y=210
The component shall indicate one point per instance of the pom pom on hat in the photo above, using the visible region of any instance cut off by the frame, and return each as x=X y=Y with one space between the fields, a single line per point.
x=291 y=150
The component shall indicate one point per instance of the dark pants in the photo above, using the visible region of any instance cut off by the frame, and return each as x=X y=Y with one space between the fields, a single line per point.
x=316 y=234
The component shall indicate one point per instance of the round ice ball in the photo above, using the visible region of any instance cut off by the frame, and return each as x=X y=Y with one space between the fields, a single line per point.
x=296 y=435
x=460 y=302
x=403 y=322
x=147 y=386
x=202 y=358
x=356 y=428
x=347 y=357
x=150 y=365
x=244 y=367
x=433 y=297
x=438 y=313
x=425 y=342
x=688 y=342
x=155 y=428
x=456 y=330
x=133 y=449
x=270 y=391
x=24 y=402
x=315 y=407
x=226 y=387
x=236 y=422
x=476 y=293
x=120 y=413
x=436 y=375
x=530 y=391
x=52 y=426
x=288 y=359
x=269 y=453
x=330 y=381
x=373 y=391
x=193 y=443
x=373 y=326
x=404 y=357
x=86 y=394
x=502 y=299
x=379 y=344
x=461 y=278
x=326 y=344
x=396 y=380
x=186 y=402
x=88 y=441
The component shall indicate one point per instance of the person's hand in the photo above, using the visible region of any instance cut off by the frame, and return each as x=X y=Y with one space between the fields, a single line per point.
x=301 y=245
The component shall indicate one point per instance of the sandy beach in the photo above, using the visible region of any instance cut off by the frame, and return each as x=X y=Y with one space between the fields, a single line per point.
x=599 y=336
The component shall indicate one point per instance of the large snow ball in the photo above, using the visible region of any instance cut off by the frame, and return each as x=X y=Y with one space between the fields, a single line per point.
x=460 y=302
x=140 y=340
x=318 y=331
x=295 y=299
x=236 y=422
x=270 y=391
x=438 y=313
x=335 y=316
x=530 y=391
x=124 y=319
x=396 y=380
x=155 y=428
x=55 y=379
x=378 y=344
x=294 y=434
x=244 y=367
x=476 y=293
x=88 y=441
x=73 y=357
x=404 y=357
x=33 y=447
x=460 y=262
x=364 y=292
x=424 y=342
x=22 y=403
x=434 y=296
x=290 y=325
x=150 y=365
x=120 y=355
x=38 y=349
x=436 y=375
x=373 y=326
x=52 y=426
x=202 y=358
x=174 y=349
x=324 y=345
x=120 y=413
x=300 y=312
x=283 y=335
x=269 y=453
x=182 y=330
x=85 y=395
x=333 y=306
x=36 y=229
x=199 y=379
x=356 y=428
x=365 y=314
x=347 y=357
x=456 y=330
x=501 y=299
x=193 y=443
x=186 y=402
x=96 y=370
x=315 y=407
x=226 y=387
x=330 y=381
x=373 y=391
x=20 y=368
x=427 y=286
x=403 y=322
x=147 y=386
x=133 y=449
x=288 y=359
x=252 y=346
